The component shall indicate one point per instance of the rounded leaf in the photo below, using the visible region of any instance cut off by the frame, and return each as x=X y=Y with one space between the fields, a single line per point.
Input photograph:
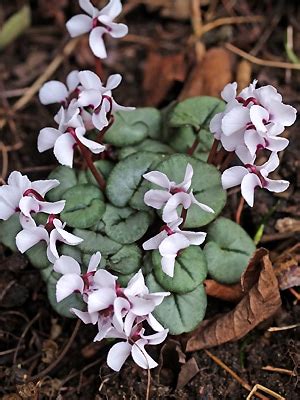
x=179 y=313
x=126 y=261
x=9 y=230
x=67 y=178
x=84 y=206
x=38 y=255
x=195 y=111
x=227 y=251
x=146 y=145
x=125 y=225
x=206 y=186
x=93 y=242
x=127 y=176
x=189 y=272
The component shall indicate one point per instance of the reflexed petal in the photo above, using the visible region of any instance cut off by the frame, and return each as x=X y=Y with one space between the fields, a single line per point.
x=90 y=80
x=140 y=356
x=96 y=41
x=270 y=165
x=104 y=279
x=158 y=178
x=52 y=208
x=136 y=286
x=156 y=338
x=187 y=181
x=112 y=9
x=88 y=7
x=244 y=155
x=128 y=323
x=172 y=244
x=64 y=149
x=101 y=299
x=99 y=118
x=276 y=186
x=282 y=113
x=117 y=355
x=53 y=92
x=67 y=265
x=249 y=183
x=28 y=205
x=195 y=238
x=170 y=210
x=235 y=120
x=277 y=143
x=85 y=317
x=104 y=326
x=117 y=30
x=79 y=24
x=231 y=142
x=156 y=198
x=113 y=81
x=204 y=207
x=141 y=306
x=233 y=176
x=258 y=114
x=155 y=241
x=94 y=262
x=215 y=125
x=95 y=147
x=90 y=97
x=65 y=236
x=29 y=237
x=72 y=80
x=6 y=210
x=252 y=140
x=47 y=138
x=155 y=325
x=121 y=307
x=67 y=285
x=19 y=181
x=229 y=92
x=43 y=186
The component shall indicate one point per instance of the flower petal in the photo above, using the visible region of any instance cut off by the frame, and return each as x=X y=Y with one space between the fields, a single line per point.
x=52 y=208
x=96 y=42
x=67 y=285
x=85 y=317
x=172 y=244
x=248 y=185
x=88 y=7
x=95 y=147
x=112 y=9
x=140 y=356
x=276 y=186
x=47 y=138
x=27 y=238
x=204 y=207
x=53 y=92
x=72 y=80
x=89 y=80
x=101 y=299
x=170 y=210
x=113 y=81
x=195 y=238
x=158 y=178
x=79 y=24
x=67 y=265
x=258 y=115
x=270 y=165
x=229 y=92
x=187 y=181
x=104 y=279
x=235 y=120
x=117 y=355
x=156 y=198
x=155 y=241
x=94 y=262
x=233 y=176
x=28 y=205
x=64 y=149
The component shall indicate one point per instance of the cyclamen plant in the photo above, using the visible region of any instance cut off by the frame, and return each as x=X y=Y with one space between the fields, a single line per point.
x=118 y=243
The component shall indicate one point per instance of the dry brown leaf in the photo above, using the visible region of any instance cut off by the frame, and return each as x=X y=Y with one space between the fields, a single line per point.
x=187 y=372
x=210 y=75
x=287 y=269
x=224 y=292
x=160 y=73
x=261 y=300
x=243 y=74
x=287 y=225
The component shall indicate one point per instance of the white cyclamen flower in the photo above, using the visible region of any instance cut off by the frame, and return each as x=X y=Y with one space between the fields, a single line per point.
x=252 y=176
x=134 y=344
x=57 y=92
x=95 y=95
x=69 y=134
x=253 y=119
x=173 y=195
x=98 y=23
x=20 y=194
x=170 y=241
x=33 y=234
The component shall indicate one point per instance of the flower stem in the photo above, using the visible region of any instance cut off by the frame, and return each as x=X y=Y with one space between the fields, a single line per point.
x=213 y=151
x=87 y=155
x=183 y=216
x=99 y=68
x=105 y=129
x=227 y=161
x=239 y=211
x=194 y=146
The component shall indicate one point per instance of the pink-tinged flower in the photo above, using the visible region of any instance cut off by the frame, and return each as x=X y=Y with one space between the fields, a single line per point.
x=98 y=23
x=72 y=279
x=250 y=176
x=170 y=240
x=70 y=133
x=33 y=234
x=253 y=119
x=57 y=92
x=173 y=195
x=96 y=96
x=20 y=194
x=134 y=344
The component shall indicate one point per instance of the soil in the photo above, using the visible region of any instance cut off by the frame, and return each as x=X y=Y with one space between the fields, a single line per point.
x=32 y=335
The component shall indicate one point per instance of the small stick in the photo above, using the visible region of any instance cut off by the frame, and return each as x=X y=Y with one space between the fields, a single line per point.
x=264 y=389
x=279 y=370
x=283 y=328
x=4 y=161
x=239 y=210
x=260 y=61
x=233 y=374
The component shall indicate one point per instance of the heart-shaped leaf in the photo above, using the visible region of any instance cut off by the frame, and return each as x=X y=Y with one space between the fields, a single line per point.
x=206 y=186
x=126 y=261
x=227 y=251
x=126 y=177
x=104 y=166
x=132 y=127
x=190 y=270
x=93 y=242
x=9 y=230
x=38 y=255
x=84 y=206
x=184 y=137
x=67 y=178
x=179 y=313
x=195 y=111
x=125 y=225
x=63 y=307
x=146 y=145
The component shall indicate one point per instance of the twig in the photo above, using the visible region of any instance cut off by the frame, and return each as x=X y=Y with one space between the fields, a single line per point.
x=283 y=328
x=196 y=17
x=61 y=356
x=231 y=21
x=260 y=61
x=148 y=384
x=233 y=374
x=279 y=370
x=296 y=294
x=264 y=389
x=4 y=169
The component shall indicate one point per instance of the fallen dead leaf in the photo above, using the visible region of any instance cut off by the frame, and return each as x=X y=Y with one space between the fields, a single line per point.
x=243 y=74
x=224 y=292
x=209 y=75
x=170 y=361
x=187 y=372
x=287 y=225
x=160 y=74
x=260 y=301
x=287 y=269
